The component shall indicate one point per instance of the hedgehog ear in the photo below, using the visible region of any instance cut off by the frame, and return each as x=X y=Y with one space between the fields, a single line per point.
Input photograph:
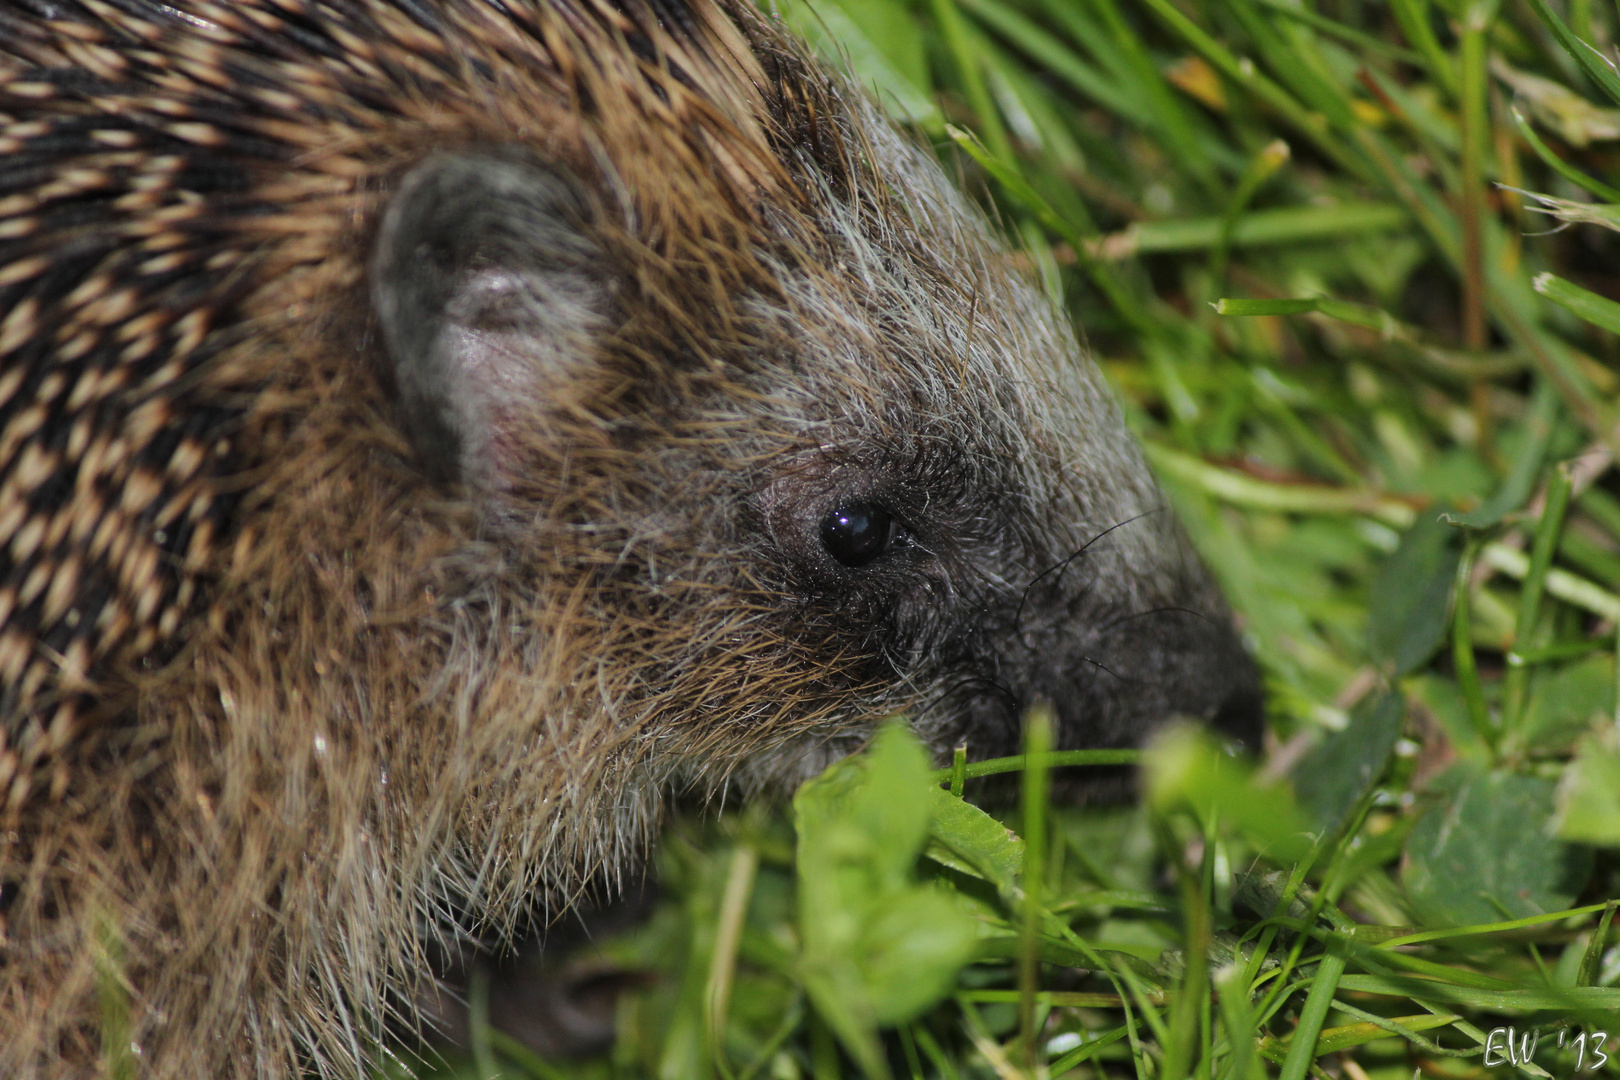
x=487 y=288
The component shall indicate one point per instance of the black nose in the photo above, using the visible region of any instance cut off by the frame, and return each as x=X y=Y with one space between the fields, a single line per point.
x=1242 y=715
x=1114 y=686
x=1187 y=665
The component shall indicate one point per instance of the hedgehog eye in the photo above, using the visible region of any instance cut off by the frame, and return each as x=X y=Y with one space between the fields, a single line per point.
x=857 y=533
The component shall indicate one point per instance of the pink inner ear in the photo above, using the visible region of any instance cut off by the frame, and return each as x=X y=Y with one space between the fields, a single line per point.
x=494 y=387
x=512 y=340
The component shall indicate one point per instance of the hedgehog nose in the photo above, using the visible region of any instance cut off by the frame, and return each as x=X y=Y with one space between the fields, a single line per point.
x=1114 y=689
x=1214 y=679
x=1241 y=714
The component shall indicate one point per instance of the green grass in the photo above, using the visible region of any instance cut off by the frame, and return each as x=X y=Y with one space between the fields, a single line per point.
x=1348 y=265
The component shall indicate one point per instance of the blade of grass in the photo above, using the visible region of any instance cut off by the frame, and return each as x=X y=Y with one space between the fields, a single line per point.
x=930 y=1046
x=1358 y=314
x=1560 y=583
x=958 y=771
x=1475 y=29
x=113 y=998
x=1449 y=933
x=1334 y=1040
x=1413 y=18
x=1387 y=962
x=909 y=1046
x=1262 y=167
x=1472 y=87
x=1244 y=73
x=1345 y=33
x=1052 y=999
x=1292 y=60
x=1581 y=998
x=1596 y=66
x=791 y=1019
x=1515 y=680
x=727 y=938
x=1244 y=490
x=1232 y=996
x=1086 y=1051
x=1302 y=1047
x=1562 y=650
x=1055 y=759
x=1462 y=648
x=478 y=1025
x=1592 y=959
x=1019 y=190
x=1176 y=134
x=1037 y=748
x=966 y=61
x=1559 y=165
x=527 y=1060
x=1056 y=58
x=1281 y=225
x=1597 y=310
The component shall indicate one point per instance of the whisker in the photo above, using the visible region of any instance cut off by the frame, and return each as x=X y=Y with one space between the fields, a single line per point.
x=1003 y=692
x=1154 y=611
x=1099 y=664
x=1062 y=567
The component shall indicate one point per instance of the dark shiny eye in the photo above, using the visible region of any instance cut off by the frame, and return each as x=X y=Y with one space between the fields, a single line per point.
x=857 y=533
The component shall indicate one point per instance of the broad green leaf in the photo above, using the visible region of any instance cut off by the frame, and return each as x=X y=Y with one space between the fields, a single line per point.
x=878 y=946
x=1407 y=612
x=1339 y=769
x=1567 y=700
x=1485 y=853
x=965 y=837
x=1185 y=767
x=1589 y=796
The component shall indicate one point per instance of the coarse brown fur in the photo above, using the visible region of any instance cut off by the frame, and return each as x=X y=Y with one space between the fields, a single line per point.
x=303 y=666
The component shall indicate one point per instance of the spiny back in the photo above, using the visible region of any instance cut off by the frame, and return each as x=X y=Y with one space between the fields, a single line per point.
x=167 y=172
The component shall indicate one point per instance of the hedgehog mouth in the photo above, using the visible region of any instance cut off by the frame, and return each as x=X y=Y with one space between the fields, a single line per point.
x=1108 y=689
x=775 y=770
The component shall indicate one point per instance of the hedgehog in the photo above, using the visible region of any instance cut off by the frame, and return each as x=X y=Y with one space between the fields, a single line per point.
x=435 y=433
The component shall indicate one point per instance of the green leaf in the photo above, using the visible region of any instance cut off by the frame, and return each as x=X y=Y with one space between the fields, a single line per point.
x=1283 y=306
x=1302 y=1050
x=1342 y=767
x=879 y=947
x=1567 y=700
x=1406 y=614
x=1258 y=228
x=1484 y=852
x=1589 y=795
x=1358 y=314
x=964 y=837
x=1185 y=767
x=1558 y=164
x=1057 y=60
x=1595 y=309
x=1594 y=63
x=1527 y=458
